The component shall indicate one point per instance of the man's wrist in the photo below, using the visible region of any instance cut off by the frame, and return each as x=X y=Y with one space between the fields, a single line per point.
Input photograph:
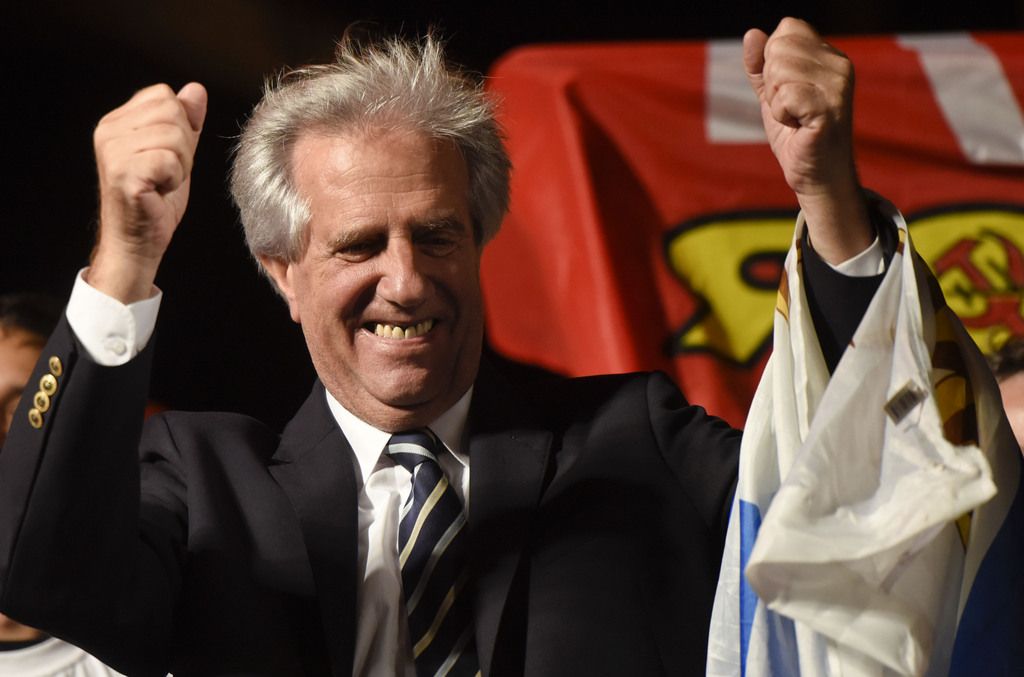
x=125 y=277
x=838 y=223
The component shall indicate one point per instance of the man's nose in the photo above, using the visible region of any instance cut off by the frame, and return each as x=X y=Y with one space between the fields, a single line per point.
x=403 y=281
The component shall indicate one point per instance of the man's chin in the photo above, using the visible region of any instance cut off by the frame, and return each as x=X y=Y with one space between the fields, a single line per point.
x=409 y=394
x=415 y=400
x=394 y=417
x=413 y=386
x=398 y=406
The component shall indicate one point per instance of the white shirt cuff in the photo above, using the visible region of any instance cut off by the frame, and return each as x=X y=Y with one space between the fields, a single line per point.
x=111 y=332
x=869 y=262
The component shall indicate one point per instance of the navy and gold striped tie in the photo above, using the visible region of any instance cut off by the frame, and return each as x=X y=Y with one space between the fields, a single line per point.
x=432 y=554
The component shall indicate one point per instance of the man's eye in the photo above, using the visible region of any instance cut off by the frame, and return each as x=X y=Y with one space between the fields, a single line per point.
x=357 y=251
x=437 y=244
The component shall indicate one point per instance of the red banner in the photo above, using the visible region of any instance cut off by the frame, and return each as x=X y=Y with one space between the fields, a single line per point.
x=649 y=218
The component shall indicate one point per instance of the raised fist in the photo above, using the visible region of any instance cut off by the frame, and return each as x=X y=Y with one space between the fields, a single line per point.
x=805 y=87
x=144 y=153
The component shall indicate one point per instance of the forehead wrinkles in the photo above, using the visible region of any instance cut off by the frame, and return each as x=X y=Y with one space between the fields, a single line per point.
x=348 y=145
x=380 y=179
x=382 y=190
x=368 y=207
x=385 y=149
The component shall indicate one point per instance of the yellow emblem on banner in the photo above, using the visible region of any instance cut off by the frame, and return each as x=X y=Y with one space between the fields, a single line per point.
x=733 y=264
x=977 y=255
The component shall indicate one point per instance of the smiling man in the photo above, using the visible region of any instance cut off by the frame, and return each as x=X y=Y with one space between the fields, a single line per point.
x=422 y=513
x=388 y=288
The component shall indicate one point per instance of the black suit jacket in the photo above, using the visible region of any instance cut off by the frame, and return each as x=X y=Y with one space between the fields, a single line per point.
x=596 y=526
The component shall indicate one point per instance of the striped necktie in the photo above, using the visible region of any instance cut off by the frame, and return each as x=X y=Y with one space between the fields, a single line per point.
x=432 y=554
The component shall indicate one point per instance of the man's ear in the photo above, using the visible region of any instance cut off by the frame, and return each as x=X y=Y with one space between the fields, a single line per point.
x=280 y=271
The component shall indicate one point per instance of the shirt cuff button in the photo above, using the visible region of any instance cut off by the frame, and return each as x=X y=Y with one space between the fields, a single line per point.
x=116 y=345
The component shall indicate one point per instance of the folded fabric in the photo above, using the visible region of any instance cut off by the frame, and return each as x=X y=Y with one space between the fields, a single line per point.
x=878 y=514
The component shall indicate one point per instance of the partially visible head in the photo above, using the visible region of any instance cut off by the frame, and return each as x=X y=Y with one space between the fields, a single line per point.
x=385 y=86
x=1008 y=366
x=26 y=321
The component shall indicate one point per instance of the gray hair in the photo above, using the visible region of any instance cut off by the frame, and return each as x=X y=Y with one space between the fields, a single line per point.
x=392 y=84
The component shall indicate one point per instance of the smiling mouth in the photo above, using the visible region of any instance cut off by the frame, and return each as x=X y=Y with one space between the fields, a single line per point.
x=401 y=332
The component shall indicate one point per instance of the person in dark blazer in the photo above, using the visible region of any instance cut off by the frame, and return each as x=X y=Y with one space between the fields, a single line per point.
x=586 y=539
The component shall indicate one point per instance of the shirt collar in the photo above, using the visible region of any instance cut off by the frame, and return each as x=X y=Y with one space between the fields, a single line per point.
x=368 y=442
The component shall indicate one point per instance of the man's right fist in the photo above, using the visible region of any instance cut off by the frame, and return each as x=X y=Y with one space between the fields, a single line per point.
x=144 y=153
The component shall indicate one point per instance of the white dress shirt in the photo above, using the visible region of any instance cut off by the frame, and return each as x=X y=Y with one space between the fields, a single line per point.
x=382 y=645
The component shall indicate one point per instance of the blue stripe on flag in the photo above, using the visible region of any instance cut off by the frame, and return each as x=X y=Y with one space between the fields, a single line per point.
x=750 y=522
x=990 y=637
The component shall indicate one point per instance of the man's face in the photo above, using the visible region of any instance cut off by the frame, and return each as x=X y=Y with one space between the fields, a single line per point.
x=1012 y=389
x=387 y=290
x=19 y=351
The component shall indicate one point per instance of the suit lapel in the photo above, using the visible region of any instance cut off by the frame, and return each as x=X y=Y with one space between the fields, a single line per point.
x=508 y=460
x=313 y=466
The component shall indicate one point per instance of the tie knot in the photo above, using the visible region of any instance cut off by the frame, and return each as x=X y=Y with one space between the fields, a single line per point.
x=413 y=447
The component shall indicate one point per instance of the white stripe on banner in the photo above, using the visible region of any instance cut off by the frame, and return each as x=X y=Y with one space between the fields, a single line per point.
x=975 y=96
x=732 y=113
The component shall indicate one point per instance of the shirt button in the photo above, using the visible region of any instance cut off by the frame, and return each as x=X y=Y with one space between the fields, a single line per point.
x=117 y=346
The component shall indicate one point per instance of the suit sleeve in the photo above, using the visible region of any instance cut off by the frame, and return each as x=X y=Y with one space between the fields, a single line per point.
x=81 y=556
x=702 y=451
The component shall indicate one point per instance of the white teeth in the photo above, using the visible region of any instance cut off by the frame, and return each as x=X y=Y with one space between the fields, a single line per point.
x=396 y=332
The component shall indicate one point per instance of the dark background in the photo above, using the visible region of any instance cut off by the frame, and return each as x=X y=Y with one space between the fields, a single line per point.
x=224 y=341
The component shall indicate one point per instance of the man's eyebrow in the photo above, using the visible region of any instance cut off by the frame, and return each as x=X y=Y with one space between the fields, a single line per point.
x=351 y=236
x=446 y=223
x=357 y=235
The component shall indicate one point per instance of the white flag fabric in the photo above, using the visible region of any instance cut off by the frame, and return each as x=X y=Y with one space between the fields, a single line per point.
x=878 y=522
